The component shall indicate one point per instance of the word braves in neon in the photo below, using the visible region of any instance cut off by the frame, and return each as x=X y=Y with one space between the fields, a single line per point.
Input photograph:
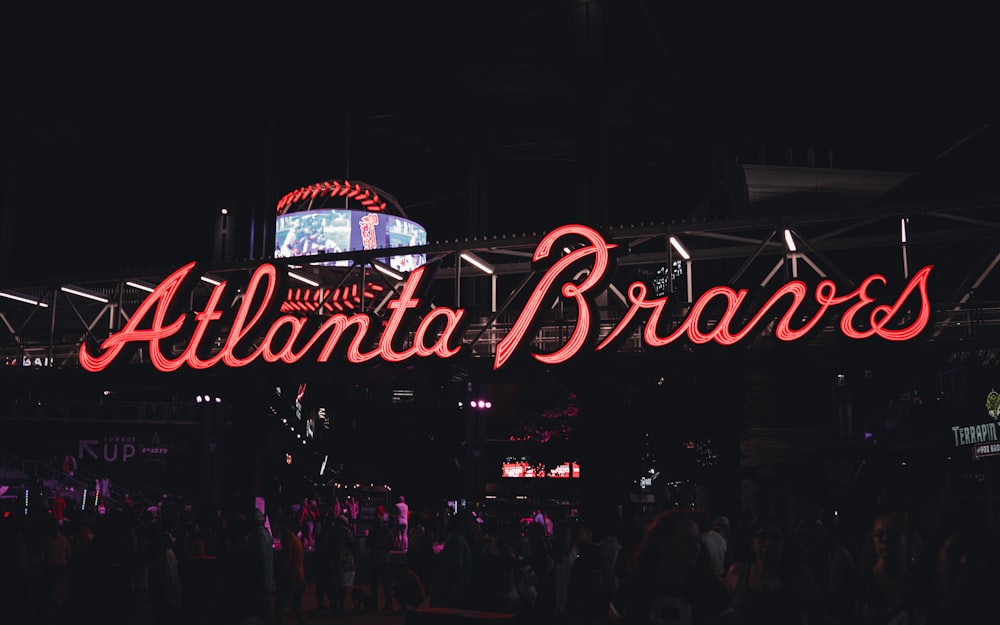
x=252 y=336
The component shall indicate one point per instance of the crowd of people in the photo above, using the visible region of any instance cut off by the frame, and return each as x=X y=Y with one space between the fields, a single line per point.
x=178 y=564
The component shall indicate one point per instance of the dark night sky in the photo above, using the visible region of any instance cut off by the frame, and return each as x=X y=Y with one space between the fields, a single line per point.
x=127 y=132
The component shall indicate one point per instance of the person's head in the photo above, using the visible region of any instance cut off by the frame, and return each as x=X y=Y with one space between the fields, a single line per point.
x=890 y=537
x=767 y=538
x=258 y=516
x=672 y=537
x=721 y=525
x=401 y=500
x=959 y=561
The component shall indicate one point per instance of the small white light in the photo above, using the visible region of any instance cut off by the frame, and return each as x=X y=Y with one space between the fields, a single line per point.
x=301 y=278
x=489 y=404
x=460 y=404
x=140 y=286
x=225 y=211
x=387 y=271
x=902 y=229
x=789 y=241
x=24 y=299
x=680 y=248
x=208 y=398
x=87 y=294
x=211 y=281
x=472 y=259
x=198 y=398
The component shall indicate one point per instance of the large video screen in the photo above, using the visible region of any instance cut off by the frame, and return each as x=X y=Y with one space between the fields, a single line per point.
x=525 y=469
x=341 y=230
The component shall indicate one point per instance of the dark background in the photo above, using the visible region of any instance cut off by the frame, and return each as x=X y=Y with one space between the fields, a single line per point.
x=127 y=129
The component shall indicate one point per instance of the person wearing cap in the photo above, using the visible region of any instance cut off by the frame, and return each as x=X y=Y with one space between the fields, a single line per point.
x=724 y=527
x=715 y=545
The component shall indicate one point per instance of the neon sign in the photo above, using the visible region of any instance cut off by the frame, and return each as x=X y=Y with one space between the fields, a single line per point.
x=258 y=333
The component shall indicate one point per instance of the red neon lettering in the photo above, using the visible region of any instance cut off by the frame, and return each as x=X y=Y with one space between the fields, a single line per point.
x=825 y=296
x=241 y=328
x=882 y=314
x=289 y=338
x=190 y=354
x=161 y=296
x=598 y=248
x=287 y=352
x=284 y=333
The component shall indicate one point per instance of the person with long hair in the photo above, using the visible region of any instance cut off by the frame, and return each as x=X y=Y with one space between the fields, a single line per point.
x=455 y=566
x=951 y=581
x=886 y=575
x=666 y=582
x=770 y=589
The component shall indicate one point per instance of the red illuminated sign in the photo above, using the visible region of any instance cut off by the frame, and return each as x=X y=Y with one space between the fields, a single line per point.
x=255 y=334
x=524 y=469
x=366 y=195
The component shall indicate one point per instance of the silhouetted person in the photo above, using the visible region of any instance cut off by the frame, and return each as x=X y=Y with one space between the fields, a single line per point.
x=886 y=585
x=770 y=590
x=262 y=553
x=165 y=598
x=380 y=543
x=115 y=561
x=952 y=586
x=292 y=578
x=453 y=574
x=56 y=555
x=664 y=582
x=324 y=566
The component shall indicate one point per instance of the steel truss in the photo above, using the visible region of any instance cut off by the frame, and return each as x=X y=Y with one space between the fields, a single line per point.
x=45 y=324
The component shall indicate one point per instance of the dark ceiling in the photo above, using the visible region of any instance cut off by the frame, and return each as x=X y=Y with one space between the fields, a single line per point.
x=128 y=131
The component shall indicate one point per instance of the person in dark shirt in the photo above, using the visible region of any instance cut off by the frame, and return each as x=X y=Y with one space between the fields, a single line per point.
x=770 y=590
x=953 y=581
x=664 y=584
x=886 y=576
x=380 y=543
x=292 y=580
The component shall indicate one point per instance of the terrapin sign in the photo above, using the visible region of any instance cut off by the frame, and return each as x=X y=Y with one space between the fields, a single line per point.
x=258 y=333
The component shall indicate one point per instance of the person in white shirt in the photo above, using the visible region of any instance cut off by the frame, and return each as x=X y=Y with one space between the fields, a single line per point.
x=714 y=542
x=402 y=524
